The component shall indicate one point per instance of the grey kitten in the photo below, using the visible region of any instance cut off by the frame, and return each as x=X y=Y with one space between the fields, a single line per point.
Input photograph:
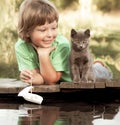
x=80 y=57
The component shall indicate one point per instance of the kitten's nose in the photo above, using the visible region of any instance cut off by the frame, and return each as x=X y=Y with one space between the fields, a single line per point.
x=81 y=46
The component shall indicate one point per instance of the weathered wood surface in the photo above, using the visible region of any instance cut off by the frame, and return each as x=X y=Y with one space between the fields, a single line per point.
x=46 y=88
x=11 y=85
x=105 y=84
x=14 y=86
x=67 y=85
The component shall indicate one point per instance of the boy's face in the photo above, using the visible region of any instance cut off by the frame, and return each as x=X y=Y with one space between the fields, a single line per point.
x=44 y=35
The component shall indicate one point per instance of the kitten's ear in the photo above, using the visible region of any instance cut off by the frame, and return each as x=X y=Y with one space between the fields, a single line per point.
x=87 y=32
x=73 y=33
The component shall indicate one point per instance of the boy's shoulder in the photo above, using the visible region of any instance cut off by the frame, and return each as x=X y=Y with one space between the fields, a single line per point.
x=22 y=46
x=20 y=43
x=62 y=40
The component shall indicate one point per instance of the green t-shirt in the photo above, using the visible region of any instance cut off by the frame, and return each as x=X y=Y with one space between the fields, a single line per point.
x=27 y=57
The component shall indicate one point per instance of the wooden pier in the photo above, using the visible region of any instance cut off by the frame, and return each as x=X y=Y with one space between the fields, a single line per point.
x=11 y=86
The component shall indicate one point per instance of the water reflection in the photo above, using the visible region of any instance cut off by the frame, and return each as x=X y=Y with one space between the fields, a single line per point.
x=40 y=116
x=66 y=114
x=105 y=121
x=9 y=117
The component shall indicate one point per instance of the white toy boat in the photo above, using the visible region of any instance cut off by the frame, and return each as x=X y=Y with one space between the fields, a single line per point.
x=30 y=96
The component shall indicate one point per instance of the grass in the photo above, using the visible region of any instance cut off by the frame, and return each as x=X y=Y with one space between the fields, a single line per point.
x=105 y=41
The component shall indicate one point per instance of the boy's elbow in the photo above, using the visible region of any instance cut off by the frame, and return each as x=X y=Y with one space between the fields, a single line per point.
x=52 y=80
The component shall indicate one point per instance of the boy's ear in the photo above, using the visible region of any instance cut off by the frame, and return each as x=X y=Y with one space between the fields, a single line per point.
x=87 y=33
x=73 y=33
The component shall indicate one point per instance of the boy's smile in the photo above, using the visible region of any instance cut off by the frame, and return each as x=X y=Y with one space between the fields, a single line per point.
x=43 y=36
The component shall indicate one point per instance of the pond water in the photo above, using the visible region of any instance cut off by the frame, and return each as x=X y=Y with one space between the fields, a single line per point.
x=84 y=108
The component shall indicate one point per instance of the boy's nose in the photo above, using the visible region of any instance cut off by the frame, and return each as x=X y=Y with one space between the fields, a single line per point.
x=49 y=33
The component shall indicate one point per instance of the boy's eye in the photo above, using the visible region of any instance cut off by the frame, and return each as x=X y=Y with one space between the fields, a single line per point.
x=54 y=28
x=41 y=30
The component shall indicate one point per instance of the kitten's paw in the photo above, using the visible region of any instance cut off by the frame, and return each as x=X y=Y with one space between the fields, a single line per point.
x=84 y=80
x=90 y=81
x=76 y=81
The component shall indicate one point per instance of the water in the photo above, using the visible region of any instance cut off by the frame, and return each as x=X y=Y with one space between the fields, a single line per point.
x=81 y=108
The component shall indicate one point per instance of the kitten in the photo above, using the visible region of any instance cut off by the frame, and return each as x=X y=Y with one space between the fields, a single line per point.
x=80 y=57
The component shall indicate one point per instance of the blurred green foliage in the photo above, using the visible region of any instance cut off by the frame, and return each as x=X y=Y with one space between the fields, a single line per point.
x=9 y=70
x=102 y=5
x=107 y=5
x=17 y=4
x=106 y=47
x=66 y=4
x=105 y=41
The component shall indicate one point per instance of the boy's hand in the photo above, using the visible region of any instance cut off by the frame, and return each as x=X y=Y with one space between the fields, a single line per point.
x=32 y=77
x=26 y=76
x=44 y=51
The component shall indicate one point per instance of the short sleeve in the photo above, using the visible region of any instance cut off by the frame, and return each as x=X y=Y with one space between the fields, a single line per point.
x=25 y=57
x=60 y=59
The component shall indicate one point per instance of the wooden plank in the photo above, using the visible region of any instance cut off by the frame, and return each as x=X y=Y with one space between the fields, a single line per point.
x=113 y=84
x=87 y=85
x=68 y=85
x=109 y=84
x=6 y=80
x=9 y=90
x=14 y=86
x=47 y=88
x=11 y=86
x=99 y=85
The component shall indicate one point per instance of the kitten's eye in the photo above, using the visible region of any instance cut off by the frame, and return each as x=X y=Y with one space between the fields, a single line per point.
x=85 y=41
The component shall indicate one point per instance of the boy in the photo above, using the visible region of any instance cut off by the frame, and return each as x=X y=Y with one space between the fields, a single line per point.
x=42 y=54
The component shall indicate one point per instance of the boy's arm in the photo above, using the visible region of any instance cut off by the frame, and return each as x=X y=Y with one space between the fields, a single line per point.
x=35 y=77
x=48 y=72
x=28 y=70
x=31 y=76
x=27 y=64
